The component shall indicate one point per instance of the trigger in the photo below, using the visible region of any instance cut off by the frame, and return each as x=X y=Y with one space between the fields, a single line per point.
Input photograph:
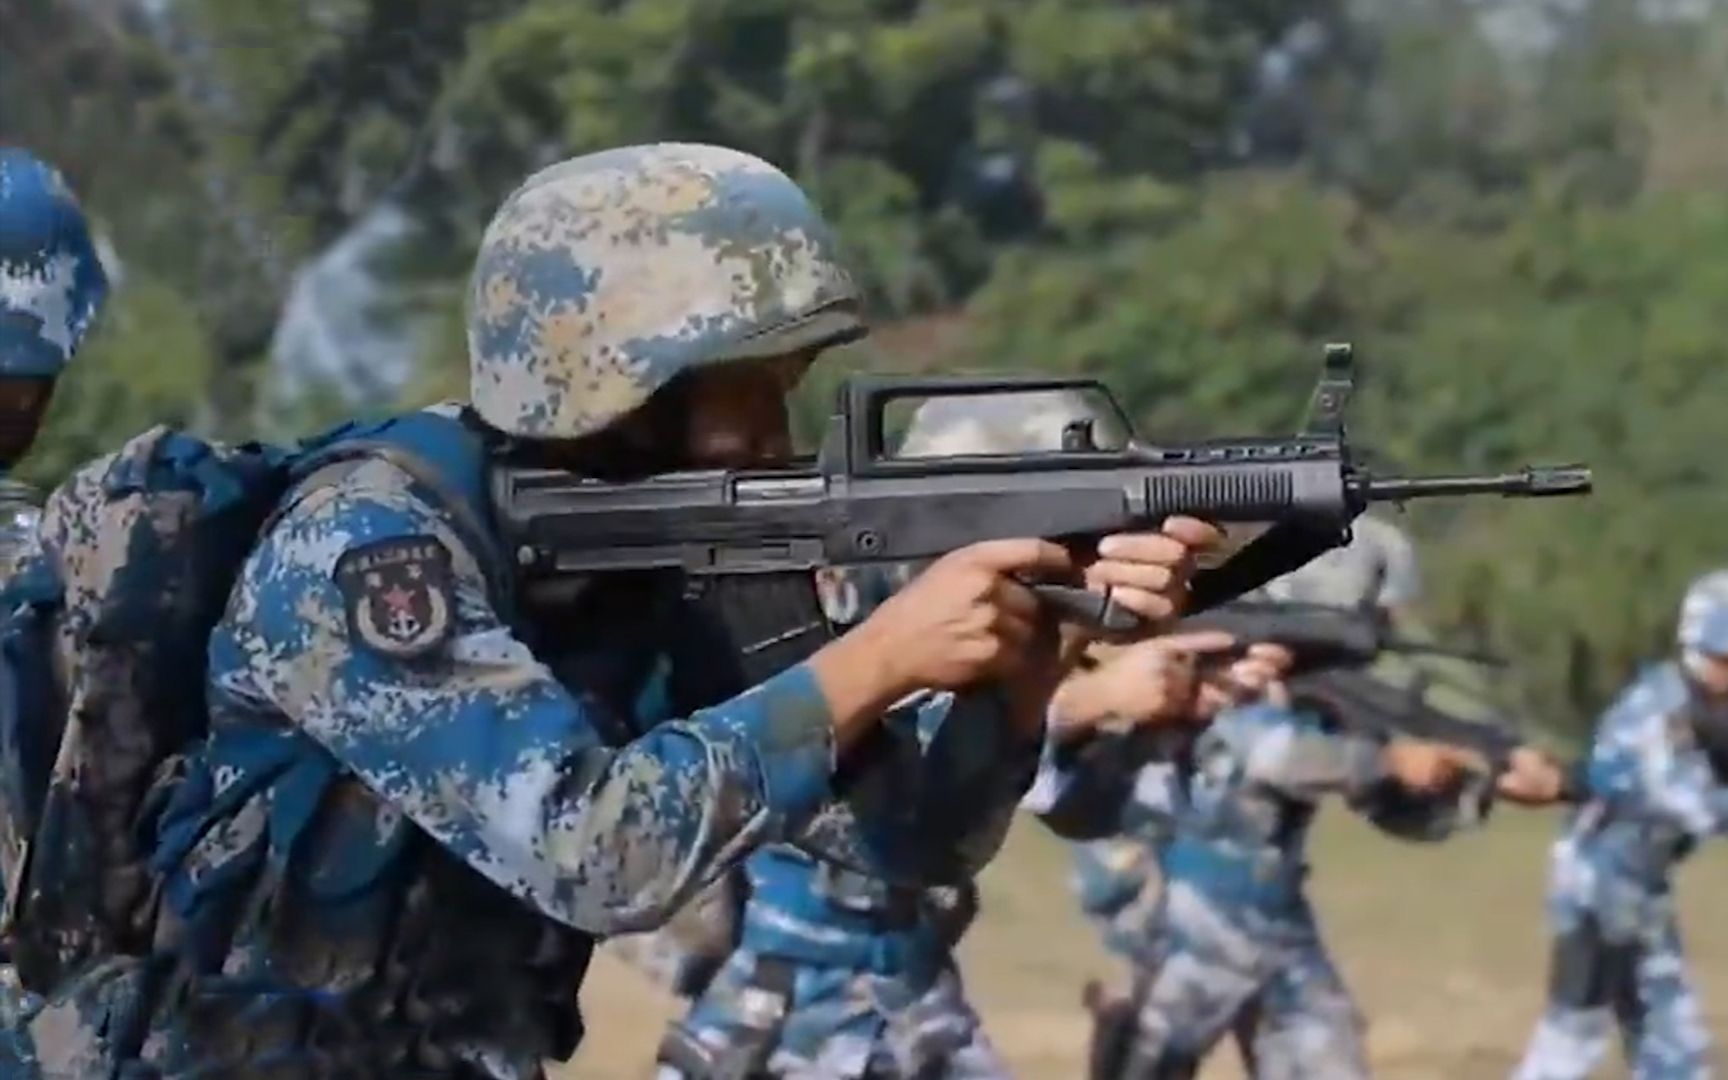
x=1087 y=607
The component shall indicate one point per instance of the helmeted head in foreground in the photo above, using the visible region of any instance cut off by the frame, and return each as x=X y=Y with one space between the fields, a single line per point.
x=1376 y=568
x=51 y=287
x=603 y=278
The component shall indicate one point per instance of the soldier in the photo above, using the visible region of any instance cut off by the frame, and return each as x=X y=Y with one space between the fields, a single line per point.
x=415 y=807
x=52 y=286
x=1231 y=942
x=845 y=968
x=1655 y=777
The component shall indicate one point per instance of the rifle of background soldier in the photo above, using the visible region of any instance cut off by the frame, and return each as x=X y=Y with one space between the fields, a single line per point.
x=748 y=539
x=1330 y=647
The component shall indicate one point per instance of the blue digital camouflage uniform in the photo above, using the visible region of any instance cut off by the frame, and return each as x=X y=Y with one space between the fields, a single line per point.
x=396 y=817
x=1232 y=936
x=1655 y=793
x=415 y=809
x=52 y=287
x=847 y=970
x=836 y=974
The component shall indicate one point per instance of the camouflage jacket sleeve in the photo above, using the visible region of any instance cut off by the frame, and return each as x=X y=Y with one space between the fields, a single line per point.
x=1291 y=752
x=474 y=740
x=1644 y=761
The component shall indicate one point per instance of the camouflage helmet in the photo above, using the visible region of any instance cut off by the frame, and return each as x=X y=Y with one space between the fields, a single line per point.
x=1008 y=423
x=1377 y=567
x=604 y=276
x=51 y=280
x=1704 y=615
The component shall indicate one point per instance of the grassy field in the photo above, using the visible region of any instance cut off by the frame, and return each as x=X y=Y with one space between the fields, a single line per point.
x=1443 y=946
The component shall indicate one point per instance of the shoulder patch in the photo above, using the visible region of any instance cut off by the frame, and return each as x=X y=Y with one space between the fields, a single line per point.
x=399 y=595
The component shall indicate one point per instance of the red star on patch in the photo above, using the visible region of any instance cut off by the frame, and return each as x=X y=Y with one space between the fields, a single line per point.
x=398 y=598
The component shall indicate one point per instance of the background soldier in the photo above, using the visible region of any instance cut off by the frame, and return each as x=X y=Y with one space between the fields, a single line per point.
x=52 y=286
x=1655 y=777
x=1232 y=943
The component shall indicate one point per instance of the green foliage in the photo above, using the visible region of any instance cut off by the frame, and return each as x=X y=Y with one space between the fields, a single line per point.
x=1574 y=334
x=1523 y=244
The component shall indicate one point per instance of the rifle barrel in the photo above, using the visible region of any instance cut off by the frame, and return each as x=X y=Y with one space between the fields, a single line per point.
x=1530 y=482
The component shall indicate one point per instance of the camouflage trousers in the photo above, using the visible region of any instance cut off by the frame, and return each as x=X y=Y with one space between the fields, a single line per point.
x=1219 y=968
x=768 y=1017
x=1641 y=988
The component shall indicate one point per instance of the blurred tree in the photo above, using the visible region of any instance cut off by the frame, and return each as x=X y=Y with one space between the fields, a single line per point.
x=1514 y=209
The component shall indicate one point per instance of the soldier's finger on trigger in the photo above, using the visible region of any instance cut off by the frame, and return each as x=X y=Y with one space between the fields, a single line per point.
x=1150 y=548
x=1014 y=598
x=1192 y=532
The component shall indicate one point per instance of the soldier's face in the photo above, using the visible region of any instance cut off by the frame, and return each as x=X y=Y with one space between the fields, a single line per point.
x=735 y=415
x=23 y=401
x=1711 y=674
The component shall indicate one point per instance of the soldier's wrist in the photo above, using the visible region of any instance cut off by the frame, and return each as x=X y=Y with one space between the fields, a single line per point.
x=859 y=680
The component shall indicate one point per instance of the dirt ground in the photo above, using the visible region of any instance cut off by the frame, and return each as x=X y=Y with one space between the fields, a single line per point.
x=1443 y=946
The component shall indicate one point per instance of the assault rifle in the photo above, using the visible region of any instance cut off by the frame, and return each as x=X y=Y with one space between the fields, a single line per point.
x=1357 y=701
x=1318 y=636
x=760 y=532
x=1333 y=647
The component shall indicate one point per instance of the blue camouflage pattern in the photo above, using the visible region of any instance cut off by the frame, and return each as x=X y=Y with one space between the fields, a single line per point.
x=860 y=913
x=52 y=283
x=385 y=863
x=1654 y=797
x=604 y=276
x=1230 y=942
x=867 y=984
x=1115 y=881
x=414 y=810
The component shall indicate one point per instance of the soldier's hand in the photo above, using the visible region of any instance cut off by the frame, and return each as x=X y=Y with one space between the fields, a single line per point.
x=1532 y=778
x=1427 y=768
x=965 y=618
x=1150 y=682
x=1257 y=674
x=1148 y=573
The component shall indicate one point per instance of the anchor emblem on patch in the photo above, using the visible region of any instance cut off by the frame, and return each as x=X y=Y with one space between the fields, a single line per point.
x=399 y=595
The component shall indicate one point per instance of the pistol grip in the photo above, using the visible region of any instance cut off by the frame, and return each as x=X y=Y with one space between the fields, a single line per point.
x=1084 y=606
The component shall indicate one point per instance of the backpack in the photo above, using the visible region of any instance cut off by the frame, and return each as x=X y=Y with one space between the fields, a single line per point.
x=103 y=636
